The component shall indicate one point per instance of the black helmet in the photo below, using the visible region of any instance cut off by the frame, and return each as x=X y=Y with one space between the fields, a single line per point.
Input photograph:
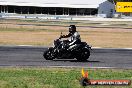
x=72 y=28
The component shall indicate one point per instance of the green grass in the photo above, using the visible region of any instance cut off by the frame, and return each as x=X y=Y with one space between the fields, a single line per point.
x=57 y=77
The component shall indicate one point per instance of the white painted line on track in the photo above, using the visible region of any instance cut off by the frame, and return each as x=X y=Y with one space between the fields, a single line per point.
x=67 y=67
x=92 y=47
x=110 y=48
x=47 y=46
x=89 y=67
x=83 y=67
x=25 y=45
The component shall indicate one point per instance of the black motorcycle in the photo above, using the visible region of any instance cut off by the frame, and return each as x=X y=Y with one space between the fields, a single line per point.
x=61 y=50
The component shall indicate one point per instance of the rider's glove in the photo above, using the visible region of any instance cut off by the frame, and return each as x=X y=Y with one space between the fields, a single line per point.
x=61 y=36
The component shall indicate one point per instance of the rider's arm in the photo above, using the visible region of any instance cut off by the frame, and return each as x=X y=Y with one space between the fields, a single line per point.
x=66 y=36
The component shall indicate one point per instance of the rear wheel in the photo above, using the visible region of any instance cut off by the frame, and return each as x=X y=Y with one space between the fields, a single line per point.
x=84 y=55
x=48 y=55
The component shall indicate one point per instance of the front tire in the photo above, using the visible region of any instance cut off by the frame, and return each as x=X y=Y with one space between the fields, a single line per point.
x=48 y=55
x=84 y=55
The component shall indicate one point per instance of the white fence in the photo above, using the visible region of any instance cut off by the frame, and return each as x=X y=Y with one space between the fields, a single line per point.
x=44 y=16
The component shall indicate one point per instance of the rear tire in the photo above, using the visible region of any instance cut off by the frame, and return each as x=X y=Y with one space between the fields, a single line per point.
x=84 y=55
x=48 y=55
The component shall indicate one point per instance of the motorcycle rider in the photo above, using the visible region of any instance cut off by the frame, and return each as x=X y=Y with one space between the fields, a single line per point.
x=74 y=37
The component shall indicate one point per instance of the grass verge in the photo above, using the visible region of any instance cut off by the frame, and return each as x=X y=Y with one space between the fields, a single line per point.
x=57 y=77
x=97 y=37
x=16 y=32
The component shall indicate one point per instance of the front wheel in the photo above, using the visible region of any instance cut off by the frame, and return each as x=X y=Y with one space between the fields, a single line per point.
x=48 y=55
x=84 y=55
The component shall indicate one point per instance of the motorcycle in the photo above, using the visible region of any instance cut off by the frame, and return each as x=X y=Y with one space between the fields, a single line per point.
x=61 y=50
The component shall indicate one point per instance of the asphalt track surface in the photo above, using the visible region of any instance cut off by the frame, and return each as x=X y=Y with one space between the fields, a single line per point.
x=33 y=56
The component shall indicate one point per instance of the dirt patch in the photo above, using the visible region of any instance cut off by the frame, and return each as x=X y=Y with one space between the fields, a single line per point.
x=97 y=37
